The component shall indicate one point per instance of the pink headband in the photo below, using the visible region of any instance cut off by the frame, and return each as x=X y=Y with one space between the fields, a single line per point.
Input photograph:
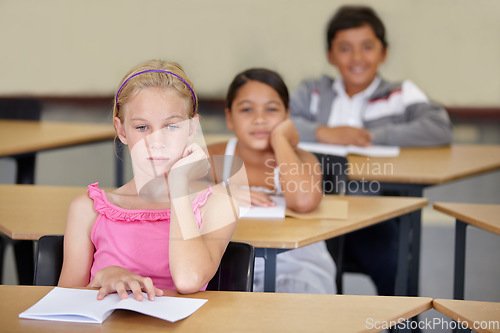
x=158 y=71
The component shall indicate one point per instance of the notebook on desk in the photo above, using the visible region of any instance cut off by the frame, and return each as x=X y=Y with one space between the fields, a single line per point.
x=330 y=207
x=338 y=150
x=81 y=305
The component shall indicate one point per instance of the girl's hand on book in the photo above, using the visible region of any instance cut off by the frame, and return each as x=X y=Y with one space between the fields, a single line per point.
x=118 y=279
x=261 y=199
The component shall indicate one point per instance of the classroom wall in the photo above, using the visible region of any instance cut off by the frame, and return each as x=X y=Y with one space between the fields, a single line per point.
x=450 y=48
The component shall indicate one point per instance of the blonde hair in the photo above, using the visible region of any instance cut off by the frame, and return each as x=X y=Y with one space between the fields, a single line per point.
x=152 y=73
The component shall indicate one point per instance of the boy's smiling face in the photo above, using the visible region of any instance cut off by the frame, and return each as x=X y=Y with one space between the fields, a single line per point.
x=357 y=53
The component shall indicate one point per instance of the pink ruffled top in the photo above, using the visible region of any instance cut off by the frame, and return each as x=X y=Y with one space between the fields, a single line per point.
x=136 y=239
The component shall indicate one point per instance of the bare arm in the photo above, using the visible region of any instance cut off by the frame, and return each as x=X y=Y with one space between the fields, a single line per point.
x=195 y=253
x=78 y=248
x=344 y=135
x=300 y=171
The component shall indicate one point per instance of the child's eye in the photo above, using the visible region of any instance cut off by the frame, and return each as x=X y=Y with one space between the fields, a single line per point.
x=368 y=47
x=141 y=128
x=172 y=127
x=272 y=109
x=246 y=110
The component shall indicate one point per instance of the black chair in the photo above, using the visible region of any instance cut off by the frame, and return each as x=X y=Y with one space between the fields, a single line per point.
x=335 y=181
x=235 y=272
x=48 y=260
x=21 y=109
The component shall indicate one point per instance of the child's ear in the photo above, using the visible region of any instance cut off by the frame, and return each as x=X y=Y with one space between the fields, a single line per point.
x=331 y=57
x=193 y=127
x=229 y=119
x=120 y=130
x=287 y=113
x=384 y=54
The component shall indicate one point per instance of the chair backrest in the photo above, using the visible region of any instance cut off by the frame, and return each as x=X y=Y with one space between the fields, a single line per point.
x=48 y=260
x=235 y=271
x=334 y=168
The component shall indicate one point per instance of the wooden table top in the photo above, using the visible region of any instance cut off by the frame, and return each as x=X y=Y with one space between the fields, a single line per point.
x=484 y=216
x=426 y=165
x=292 y=233
x=24 y=136
x=480 y=316
x=31 y=211
x=231 y=312
x=433 y=165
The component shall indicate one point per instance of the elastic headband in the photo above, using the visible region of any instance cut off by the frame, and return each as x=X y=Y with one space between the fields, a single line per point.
x=158 y=71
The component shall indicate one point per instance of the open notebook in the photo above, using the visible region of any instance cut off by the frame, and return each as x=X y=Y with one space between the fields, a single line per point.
x=81 y=305
x=338 y=150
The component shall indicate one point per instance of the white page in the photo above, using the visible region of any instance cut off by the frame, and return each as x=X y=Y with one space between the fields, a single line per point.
x=81 y=305
x=273 y=212
x=338 y=150
x=324 y=148
x=374 y=151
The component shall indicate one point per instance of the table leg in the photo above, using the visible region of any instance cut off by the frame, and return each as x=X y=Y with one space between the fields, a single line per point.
x=23 y=249
x=401 y=288
x=3 y=242
x=416 y=229
x=25 y=168
x=269 y=256
x=414 y=269
x=459 y=275
x=411 y=190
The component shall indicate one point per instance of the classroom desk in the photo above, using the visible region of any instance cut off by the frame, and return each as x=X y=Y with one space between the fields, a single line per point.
x=231 y=312
x=479 y=316
x=412 y=171
x=483 y=216
x=269 y=236
x=22 y=139
x=417 y=168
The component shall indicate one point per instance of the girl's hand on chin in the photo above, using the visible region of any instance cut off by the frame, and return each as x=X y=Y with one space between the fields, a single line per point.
x=118 y=279
x=193 y=164
x=288 y=130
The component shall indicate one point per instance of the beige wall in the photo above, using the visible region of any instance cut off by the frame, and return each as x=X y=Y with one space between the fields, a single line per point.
x=450 y=48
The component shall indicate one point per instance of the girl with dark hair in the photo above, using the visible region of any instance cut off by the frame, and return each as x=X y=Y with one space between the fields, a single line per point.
x=266 y=140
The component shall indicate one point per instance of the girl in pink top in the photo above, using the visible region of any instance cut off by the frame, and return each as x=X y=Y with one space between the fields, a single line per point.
x=151 y=233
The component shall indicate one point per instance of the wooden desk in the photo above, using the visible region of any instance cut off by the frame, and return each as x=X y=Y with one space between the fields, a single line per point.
x=231 y=312
x=22 y=139
x=24 y=136
x=271 y=237
x=428 y=166
x=479 y=316
x=49 y=204
x=417 y=168
x=29 y=212
x=483 y=216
